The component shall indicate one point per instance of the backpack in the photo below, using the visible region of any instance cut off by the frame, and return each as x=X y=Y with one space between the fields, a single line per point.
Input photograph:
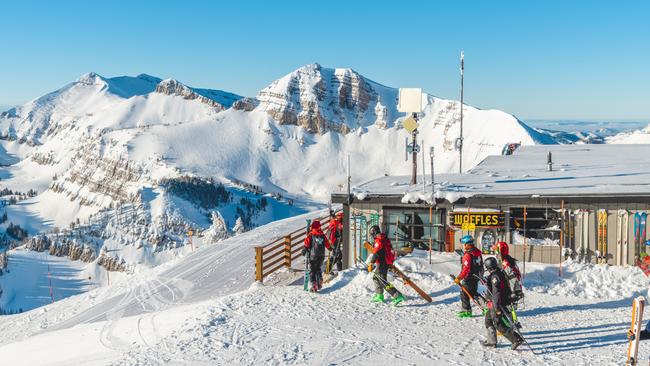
x=317 y=246
x=390 y=254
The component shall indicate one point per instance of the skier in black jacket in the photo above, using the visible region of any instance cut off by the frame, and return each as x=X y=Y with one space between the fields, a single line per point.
x=499 y=299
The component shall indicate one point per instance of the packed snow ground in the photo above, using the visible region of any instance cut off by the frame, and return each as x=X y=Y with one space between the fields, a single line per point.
x=204 y=309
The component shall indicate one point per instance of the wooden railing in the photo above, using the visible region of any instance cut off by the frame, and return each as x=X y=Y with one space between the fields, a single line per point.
x=282 y=252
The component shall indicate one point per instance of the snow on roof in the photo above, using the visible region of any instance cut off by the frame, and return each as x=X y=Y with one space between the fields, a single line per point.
x=578 y=170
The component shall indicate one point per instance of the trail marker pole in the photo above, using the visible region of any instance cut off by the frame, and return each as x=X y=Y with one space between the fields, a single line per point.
x=49 y=278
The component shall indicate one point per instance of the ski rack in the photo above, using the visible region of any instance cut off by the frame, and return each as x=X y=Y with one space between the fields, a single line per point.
x=282 y=251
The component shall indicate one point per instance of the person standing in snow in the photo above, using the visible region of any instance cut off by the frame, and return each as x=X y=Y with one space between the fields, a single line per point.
x=336 y=235
x=314 y=252
x=383 y=257
x=510 y=268
x=499 y=299
x=472 y=266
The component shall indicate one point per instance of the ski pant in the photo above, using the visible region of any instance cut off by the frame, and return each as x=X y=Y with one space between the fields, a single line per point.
x=336 y=258
x=471 y=285
x=494 y=323
x=381 y=281
x=315 y=274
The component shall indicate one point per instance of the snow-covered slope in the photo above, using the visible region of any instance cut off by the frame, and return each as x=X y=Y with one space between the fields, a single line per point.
x=641 y=136
x=202 y=309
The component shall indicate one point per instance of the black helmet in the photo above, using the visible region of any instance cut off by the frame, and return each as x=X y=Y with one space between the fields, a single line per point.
x=491 y=263
x=374 y=230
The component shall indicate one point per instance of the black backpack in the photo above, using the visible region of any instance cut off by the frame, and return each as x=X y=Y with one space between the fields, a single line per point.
x=317 y=246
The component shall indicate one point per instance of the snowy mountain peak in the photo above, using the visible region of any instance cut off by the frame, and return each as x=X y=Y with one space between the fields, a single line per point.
x=322 y=99
x=92 y=78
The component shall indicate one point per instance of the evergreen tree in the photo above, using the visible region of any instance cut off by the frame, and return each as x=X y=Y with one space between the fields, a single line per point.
x=218 y=231
x=239 y=226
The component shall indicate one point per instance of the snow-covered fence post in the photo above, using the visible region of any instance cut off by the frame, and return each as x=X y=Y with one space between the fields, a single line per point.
x=258 y=263
x=287 y=251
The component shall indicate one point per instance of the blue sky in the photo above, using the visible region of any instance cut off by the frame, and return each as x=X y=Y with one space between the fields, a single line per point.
x=537 y=59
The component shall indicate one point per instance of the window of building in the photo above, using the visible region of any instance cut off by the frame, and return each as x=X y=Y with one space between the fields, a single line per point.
x=417 y=228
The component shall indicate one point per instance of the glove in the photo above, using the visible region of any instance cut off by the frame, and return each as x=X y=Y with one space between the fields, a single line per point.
x=457 y=281
x=305 y=251
x=630 y=335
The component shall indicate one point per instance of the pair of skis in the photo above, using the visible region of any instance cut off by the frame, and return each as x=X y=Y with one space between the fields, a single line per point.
x=407 y=280
x=507 y=316
x=634 y=334
x=622 y=238
x=602 y=236
x=641 y=259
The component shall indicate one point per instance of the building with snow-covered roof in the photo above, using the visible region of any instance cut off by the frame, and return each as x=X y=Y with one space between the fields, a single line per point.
x=589 y=202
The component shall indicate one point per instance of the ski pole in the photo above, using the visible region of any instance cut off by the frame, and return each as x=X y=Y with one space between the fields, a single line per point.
x=467 y=293
x=375 y=275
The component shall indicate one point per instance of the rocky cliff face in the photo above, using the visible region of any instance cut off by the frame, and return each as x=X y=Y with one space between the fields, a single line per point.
x=321 y=100
x=94 y=177
x=214 y=98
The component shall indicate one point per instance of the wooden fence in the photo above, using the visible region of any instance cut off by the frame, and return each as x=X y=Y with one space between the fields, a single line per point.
x=281 y=252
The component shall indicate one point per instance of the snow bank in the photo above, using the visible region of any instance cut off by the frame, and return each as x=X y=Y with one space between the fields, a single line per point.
x=519 y=239
x=589 y=281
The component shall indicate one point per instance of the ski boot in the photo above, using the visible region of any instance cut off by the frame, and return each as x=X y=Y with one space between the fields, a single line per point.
x=464 y=314
x=398 y=299
x=314 y=287
x=518 y=342
x=378 y=298
x=488 y=344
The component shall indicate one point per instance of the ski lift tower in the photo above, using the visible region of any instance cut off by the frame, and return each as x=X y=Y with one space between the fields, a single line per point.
x=410 y=101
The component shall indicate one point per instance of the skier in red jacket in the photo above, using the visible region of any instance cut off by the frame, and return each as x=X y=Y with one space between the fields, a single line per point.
x=472 y=266
x=336 y=237
x=513 y=274
x=314 y=252
x=383 y=256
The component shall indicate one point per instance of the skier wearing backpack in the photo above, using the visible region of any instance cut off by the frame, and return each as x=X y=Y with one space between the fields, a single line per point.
x=472 y=266
x=383 y=256
x=314 y=252
x=336 y=236
x=510 y=268
x=499 y=298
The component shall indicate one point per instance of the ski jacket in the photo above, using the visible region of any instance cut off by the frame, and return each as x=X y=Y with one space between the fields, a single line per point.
x=511 y=270
x=498 y=288
x=336 y=230
x=383 y=250
x=316 y=241
x=472 y=262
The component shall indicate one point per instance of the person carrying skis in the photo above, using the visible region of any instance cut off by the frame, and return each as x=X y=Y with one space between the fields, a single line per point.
x=383 y=257
x=336 y=237
x=499 y=298
x=314 y=252
x=510 y=268
x=472 y=266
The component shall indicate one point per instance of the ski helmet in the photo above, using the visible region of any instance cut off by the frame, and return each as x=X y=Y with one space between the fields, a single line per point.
x=374 y=231
x=467 y=240
x=491 y=263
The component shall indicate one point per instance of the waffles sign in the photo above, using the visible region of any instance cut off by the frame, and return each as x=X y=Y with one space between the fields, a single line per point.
x=477 y=219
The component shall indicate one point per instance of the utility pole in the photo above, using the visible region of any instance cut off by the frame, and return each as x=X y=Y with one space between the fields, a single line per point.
x=414 y=146
x=410 y=101
x=460 y=140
